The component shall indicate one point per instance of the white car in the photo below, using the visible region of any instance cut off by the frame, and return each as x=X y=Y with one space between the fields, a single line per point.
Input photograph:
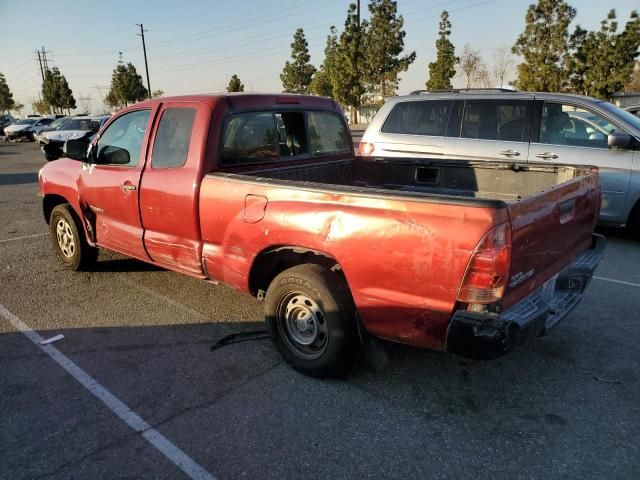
x=55 y=125
x=26 y=128
x=75 y=128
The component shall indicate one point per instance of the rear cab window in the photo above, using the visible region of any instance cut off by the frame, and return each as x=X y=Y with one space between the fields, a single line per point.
x=269 y=136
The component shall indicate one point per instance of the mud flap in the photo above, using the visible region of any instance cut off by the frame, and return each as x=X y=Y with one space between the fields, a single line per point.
x=372 y=348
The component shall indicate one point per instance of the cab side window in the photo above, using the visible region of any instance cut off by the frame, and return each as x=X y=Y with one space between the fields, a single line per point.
x=121 y=142
x=173 y=137
x=573 y=126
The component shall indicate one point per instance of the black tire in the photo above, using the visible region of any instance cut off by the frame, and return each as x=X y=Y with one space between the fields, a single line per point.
x=68 y=240
x=310 y=293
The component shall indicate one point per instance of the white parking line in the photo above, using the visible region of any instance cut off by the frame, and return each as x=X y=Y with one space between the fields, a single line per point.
x=151 y=435
x=22 y=238
x=613 y=280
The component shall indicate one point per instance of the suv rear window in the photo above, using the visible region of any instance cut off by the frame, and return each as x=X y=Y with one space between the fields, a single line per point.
x=494 y=120
x=257 y=137
x=426 y=117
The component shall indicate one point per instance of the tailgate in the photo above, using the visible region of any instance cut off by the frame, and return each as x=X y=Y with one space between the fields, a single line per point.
x=549 y=230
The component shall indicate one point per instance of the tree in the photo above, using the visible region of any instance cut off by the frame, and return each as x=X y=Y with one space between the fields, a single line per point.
x=385 y=43
x=126 y=86
x=6 y=97
x=40 y=106
x=235 y=85
x=484 y=76
x=56 y=92
x=544 y=47
x=296 y=76
x=502 y=64
x=634 y=84
x=322 y=82
x=348 y=81
x=470 y=64
x=603 y=62
x=443 y=69
x=17 y=108
x=157 y=93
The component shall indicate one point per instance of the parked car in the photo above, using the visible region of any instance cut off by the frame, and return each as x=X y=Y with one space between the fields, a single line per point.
x=634 y=109
x=504 y=126
x=264 y=193
x=26 y=128
x=52 y=127
x=76 y=128
x=5 y=121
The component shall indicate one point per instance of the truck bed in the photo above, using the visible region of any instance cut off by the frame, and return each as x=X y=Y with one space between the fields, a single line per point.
x=508 y=183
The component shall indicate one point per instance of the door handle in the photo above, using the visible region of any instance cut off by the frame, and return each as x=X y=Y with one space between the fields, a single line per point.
x=547 y=155
x=510 y=153
x=127 y=187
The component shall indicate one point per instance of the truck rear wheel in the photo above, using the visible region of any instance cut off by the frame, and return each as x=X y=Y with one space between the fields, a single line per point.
x=68 y=240
x=310 y=317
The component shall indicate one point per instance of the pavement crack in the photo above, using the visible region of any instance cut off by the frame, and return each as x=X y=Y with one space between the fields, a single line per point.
x=212 y=402
x=84 y=457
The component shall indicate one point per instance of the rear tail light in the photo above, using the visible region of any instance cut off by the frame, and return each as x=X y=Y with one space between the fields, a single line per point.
x=488 y=270
x=366 y=148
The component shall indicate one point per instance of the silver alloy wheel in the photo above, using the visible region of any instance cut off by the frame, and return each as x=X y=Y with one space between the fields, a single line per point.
x=66 y=241
x=303 y=324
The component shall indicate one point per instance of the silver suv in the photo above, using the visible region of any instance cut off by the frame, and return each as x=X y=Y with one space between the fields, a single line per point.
x=504 y=126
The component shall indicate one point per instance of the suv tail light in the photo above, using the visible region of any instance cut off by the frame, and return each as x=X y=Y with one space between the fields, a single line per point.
x=488 y=270
x=366 y=148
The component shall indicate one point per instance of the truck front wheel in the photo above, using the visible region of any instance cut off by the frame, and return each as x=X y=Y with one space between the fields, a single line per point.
x=310 y=317
x=68 y=240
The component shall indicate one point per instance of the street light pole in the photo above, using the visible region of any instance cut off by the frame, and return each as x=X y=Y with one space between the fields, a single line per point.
x=144 y=50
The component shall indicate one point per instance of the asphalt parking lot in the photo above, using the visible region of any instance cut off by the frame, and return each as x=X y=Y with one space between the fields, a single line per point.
x=564 y=406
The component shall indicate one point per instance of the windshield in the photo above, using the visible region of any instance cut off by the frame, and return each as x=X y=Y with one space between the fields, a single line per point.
x=26 y=121
x=79 y=124
x=623 y=114
x=57 y=123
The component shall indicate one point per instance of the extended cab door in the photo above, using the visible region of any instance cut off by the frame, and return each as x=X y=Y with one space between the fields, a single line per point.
x=170 y=187
x=495 y=129
x=108 y=187
x=572 y=135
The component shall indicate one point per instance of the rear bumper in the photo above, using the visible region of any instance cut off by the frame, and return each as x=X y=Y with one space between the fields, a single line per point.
x=490 y=335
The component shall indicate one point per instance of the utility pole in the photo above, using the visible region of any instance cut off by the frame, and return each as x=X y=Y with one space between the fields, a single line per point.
x=40 y=63
x=144 y=50
x=44 y=59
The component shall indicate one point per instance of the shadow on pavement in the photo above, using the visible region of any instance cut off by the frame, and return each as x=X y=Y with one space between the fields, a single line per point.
x=18 y=178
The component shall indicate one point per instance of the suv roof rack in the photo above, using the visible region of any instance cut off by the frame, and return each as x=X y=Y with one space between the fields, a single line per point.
x=461 y=90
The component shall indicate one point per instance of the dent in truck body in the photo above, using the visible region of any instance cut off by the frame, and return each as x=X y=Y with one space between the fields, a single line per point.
x=391 y=303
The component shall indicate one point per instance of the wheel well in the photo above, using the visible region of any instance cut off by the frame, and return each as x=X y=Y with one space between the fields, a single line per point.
x=49 y=203
x=269 y=263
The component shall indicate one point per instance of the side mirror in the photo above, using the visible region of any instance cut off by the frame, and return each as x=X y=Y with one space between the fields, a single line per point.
x=75 y=149
x=112 y=155
x=619 y=140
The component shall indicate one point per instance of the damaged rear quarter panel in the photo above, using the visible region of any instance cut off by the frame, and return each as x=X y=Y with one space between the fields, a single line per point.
x=403 y=259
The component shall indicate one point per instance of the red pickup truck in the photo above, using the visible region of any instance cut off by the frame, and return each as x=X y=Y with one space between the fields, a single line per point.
x=264 y=193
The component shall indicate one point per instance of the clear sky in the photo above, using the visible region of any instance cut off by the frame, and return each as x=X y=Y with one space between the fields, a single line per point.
x=193 y=46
